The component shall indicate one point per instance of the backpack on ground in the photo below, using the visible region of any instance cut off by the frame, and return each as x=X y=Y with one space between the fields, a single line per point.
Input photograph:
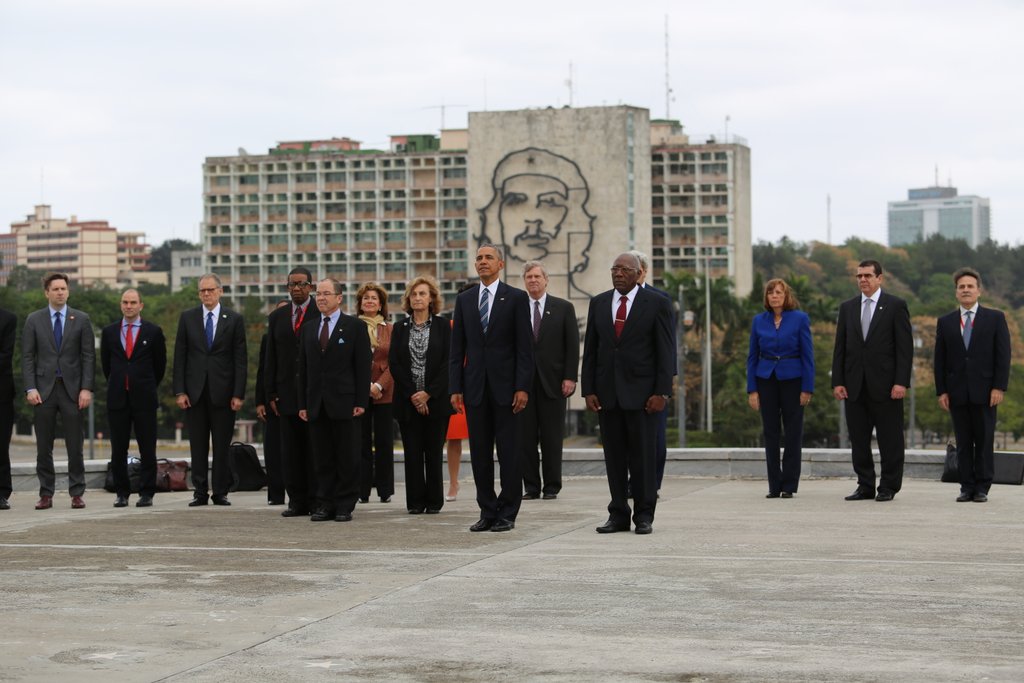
x=247 y=473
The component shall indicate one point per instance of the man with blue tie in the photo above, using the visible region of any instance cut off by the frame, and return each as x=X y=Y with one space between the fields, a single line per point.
x=58 y=364
x=134 y=357
x=972 y=371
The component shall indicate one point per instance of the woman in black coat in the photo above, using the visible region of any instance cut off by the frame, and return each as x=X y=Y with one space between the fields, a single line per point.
x=419 y=366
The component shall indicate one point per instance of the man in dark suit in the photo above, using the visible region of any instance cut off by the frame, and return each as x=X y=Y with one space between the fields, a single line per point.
x=8 y=325
x=871 y=366
x=284 y=329
x=556 y=355
x=271 y=426
x=209 y=383
x=134 y=356
x=490 y=377
x=334 y=373
x=58 y=365
x=972 y=371
x=626 y=378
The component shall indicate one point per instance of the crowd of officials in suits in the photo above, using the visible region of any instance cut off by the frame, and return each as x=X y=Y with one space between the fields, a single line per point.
x=329 y=386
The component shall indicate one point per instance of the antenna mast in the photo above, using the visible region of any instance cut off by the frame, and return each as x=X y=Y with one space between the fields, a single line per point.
x=668 y=88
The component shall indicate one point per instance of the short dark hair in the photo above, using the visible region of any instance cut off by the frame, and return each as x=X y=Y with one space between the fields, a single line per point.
x=302 y=270
x=966 y=271
x=50 y=277
x=871 y=263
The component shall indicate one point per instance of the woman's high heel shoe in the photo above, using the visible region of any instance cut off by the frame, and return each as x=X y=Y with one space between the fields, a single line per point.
x=453 y=492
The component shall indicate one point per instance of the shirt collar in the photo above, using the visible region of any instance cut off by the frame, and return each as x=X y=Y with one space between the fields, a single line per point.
x=215 y=311
x=542 y=300
x=125 y=323
x=874 y=297
x=973 y=309
x=631 y=294
x=54 y=311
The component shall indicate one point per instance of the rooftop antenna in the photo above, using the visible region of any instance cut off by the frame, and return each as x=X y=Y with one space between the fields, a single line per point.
x=668 y=88
x=443 y=107
x=936 y=175
x=828 y=218
x=568 y=83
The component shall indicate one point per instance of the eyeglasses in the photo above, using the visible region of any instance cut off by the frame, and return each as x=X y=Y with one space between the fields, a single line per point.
x=622 y=269
x=291 y=285
x=320 y=295
x=865 y=276
x=209 y=290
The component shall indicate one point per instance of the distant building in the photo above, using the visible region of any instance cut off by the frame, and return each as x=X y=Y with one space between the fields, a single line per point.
x=187 y=266
x=939 y=211
x=8 y=256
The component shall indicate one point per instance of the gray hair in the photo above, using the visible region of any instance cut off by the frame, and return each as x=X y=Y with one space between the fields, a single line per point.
x=530 y=265
x=211 y=276
x=498 y=249
x=642 y=258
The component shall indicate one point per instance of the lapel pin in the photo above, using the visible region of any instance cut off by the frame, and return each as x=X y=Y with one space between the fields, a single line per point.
x=224 y=316
x=71 y=317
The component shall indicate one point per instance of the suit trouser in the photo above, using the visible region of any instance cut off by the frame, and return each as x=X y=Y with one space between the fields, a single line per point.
x=272 y=458
x=629 y=438
x=6 y=428
x=121 y=421
x=377 y=468
x=46 y=426
x=886 y=417
x=423 y=442
x=542 y=422
x=336 y=444
x=780 y=399
x=975 y=429
x=661 y=445
x=298 y=463
x=205 y=420
x=493 y=425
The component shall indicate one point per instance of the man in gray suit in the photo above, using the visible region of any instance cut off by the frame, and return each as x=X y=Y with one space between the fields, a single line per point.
x=58 y=353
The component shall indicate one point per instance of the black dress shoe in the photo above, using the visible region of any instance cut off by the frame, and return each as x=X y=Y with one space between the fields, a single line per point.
x=121 y=502
x=364 y=500
x=432 y=511
x=144 y=502
x=773 y=495
x=549 y=496
x=4 y=505
x=531 y=496
x=221 y=500
x=884 y=496
x=786 y=494
x=980 y=498
x=860 y=495
x=415 y=511
x=385 y=499
x=503 y=525
x=644 y=528
x=292 y=512
x=275 y=502
x=965 y=498
x=611 y=527
x=321 y=516
x=482 y=525
x=343 y=517
x=197 y=501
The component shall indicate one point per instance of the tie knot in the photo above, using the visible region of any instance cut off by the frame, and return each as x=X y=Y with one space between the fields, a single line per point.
x=623 y=299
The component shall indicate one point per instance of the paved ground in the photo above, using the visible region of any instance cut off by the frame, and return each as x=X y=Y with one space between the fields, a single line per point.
x=730 y=587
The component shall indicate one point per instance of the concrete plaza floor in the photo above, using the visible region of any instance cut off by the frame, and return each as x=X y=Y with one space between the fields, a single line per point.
x=730 y=587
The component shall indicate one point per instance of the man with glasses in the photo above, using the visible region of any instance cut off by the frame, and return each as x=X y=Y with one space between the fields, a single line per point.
x=210 y=365
x=284 y=329
x=871 y=366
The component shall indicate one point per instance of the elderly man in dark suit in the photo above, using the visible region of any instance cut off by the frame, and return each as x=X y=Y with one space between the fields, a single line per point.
x=490 y=377
x=871 y=367
x=334 y=373
x=626 y=380
x=972 y=371
x=8 y=325
x=134 y=356
x=556 y=354
x=210 y=366
x=58 y=365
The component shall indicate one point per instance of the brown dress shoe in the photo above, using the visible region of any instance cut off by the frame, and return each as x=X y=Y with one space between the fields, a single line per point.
x=77 y=502
x=45 y=503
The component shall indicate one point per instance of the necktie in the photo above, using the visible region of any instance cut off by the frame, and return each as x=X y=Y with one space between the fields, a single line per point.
x=865 y=317
x=324 y=335
x=58 y=331
x=483 y=308
x=536 y=320
x=209 y=330
x=298 y=319
x=620 y=317
x=129 y=345
x=967 y=330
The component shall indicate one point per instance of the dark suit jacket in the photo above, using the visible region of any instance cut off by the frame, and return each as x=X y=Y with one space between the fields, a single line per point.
x=873 y=365
x=144 y=370
x=436 y=369
x=40 y=358
x=970 y=375
x=8 y=325
x=502 y=358
x=337 y=379
x=281 y=369
x=556 y=352
x=625 y=372
x=221 y=369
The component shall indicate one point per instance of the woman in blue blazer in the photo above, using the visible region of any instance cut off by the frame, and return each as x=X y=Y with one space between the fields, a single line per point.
x=780 y=381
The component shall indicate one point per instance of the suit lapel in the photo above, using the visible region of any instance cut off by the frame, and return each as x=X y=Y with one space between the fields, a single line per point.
x=880 y=309
x=638 y=307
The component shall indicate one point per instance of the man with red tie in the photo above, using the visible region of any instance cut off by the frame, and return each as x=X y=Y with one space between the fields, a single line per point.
x=626 y=379
x=133 y=352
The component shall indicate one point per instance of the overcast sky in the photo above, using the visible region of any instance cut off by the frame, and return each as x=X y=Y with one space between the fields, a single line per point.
x=108 y=107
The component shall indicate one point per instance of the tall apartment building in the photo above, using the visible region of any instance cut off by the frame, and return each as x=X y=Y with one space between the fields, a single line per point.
x=939 y=211
x=8 y=256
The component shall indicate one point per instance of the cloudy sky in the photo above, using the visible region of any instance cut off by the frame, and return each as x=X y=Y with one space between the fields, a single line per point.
x=108 y=107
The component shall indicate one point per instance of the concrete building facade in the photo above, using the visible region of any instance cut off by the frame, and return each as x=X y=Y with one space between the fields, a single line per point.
x=939 y=211
x=187 y=266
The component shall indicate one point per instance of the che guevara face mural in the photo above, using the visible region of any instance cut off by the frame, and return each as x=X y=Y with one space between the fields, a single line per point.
x=538 y=212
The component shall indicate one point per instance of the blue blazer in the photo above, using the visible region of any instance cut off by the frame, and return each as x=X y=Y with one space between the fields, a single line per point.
x=787 y=351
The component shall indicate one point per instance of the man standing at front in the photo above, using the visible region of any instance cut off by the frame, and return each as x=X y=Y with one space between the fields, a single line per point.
x=134 y=356
x=556 y=356
x=871 y=367
x=209 y=383
x=8 y=325
x=334 y=373
x=58 y=365
x=972 y=371
x=626 y=379
x=490 y=370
